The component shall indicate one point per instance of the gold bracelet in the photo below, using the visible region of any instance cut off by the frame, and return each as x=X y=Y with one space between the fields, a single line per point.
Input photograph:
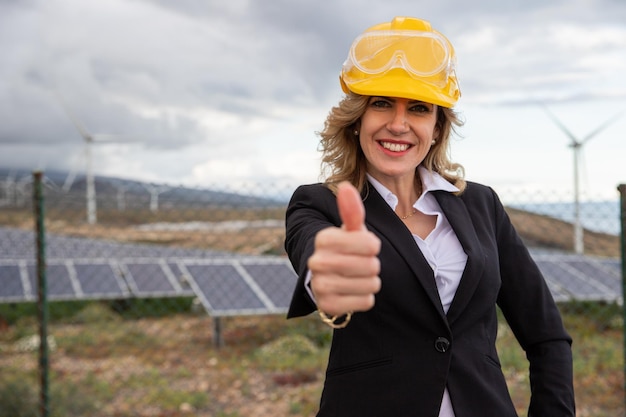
x=332 y=320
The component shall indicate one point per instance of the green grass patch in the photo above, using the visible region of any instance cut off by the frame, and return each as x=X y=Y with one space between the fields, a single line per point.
x=20 y=397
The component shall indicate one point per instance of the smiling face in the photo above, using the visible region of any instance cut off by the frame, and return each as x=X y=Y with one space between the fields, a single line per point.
x=395 y=136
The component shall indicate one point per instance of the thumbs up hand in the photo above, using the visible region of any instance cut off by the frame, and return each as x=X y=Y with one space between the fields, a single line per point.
x=345 y=264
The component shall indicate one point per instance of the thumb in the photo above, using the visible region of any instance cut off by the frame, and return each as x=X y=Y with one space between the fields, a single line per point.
x=350 y=207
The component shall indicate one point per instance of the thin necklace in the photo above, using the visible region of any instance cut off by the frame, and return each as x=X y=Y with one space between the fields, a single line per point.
x=409 y=215
x=418 y=187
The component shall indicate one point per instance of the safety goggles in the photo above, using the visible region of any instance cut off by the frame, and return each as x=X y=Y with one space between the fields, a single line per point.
x=423 y=55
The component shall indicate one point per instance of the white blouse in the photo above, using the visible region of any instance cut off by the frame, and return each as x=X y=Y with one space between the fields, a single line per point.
x=441 y=248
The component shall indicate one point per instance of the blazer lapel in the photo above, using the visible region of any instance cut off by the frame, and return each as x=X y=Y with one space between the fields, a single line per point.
x=382 y=218
x=461 y=222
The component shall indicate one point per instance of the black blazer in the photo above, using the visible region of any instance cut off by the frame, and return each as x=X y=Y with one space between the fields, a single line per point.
x=396 y=359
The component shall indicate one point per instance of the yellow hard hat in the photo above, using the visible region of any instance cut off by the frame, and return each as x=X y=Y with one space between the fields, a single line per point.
x=403 y=58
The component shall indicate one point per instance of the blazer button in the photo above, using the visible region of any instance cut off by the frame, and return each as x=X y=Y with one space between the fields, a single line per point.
x=442 y=344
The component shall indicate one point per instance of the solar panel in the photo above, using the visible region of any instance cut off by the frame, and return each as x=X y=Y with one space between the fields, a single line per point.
x=223 y=291
x=549 y=271
x=13 y=285
x=276 y=280
x=613 y=265
x=16 y=244
x=61 y=285
x=100 y=280
x=181 y=274
x=603 y=278
x=150 y=278
x=238 y=285
x=20 y=244
x=578 y=277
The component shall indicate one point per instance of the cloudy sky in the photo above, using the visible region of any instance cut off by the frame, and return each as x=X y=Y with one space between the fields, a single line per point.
x=208 y=92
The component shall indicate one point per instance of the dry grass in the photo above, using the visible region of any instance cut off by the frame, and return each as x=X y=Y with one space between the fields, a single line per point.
x=547 y=232
x=535 y=229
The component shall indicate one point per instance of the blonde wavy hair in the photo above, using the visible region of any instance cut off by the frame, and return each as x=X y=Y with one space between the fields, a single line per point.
x=343 y=158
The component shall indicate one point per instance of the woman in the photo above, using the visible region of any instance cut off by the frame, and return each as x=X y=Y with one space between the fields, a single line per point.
x=407 y=260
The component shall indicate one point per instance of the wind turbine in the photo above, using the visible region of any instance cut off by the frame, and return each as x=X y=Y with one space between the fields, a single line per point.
x=121 y=190
x=155 y=191
x=89 y=139
x=577 y=145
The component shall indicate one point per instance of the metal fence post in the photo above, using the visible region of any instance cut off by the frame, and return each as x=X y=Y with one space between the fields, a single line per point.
x=622 y=191
x=218 y=341
x=42 y=293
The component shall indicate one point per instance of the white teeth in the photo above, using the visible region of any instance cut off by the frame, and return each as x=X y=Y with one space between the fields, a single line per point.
x=395 y=147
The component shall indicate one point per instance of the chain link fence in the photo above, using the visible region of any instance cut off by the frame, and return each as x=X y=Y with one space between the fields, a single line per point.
x=170 y=301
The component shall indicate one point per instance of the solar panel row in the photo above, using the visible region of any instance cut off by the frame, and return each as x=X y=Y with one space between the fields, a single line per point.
x=234 y=286
x=572 y=277
x=20 y=244
x=225 y=286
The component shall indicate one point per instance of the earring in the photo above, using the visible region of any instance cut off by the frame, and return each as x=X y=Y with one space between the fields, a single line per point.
x=433 y=142
x=356 y=132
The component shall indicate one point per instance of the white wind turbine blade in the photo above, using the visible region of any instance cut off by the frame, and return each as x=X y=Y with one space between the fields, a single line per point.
x=71 y=175
x=582 y=159
x=601 y=128
x=81 y=129
x=69 y=180
x=575 y=142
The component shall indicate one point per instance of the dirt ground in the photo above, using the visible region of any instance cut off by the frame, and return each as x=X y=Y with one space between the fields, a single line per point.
x=170 y=367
